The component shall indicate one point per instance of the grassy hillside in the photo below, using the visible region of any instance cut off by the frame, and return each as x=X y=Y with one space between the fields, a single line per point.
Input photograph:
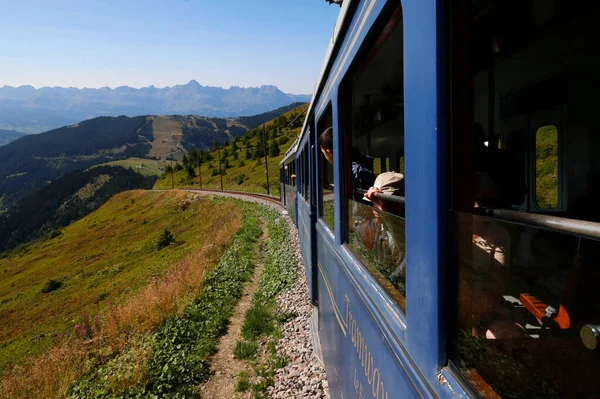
x=242 y=160
x=144 y=166
x=101 y=260
x=64 y=200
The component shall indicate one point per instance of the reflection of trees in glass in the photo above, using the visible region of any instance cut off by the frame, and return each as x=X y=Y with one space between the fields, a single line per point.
x=546 y=167
x=379 y=243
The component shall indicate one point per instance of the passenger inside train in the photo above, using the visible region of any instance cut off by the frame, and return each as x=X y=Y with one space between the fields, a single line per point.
x=362 y=176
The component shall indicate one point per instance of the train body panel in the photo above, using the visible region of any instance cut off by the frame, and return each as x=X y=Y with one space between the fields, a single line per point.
x=358 y=349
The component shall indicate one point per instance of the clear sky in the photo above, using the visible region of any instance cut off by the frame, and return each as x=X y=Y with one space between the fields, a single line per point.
x=95 y=43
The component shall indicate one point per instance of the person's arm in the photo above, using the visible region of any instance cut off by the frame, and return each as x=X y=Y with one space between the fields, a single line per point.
x=370 y=193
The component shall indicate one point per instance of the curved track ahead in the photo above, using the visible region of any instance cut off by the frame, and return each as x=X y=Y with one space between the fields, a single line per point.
x=265 y=197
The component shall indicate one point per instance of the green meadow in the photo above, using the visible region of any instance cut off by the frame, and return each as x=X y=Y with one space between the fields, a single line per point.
x=104 y=259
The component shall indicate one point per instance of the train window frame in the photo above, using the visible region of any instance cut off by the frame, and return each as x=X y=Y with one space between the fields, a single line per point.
x=391 y=21
x=324 y=168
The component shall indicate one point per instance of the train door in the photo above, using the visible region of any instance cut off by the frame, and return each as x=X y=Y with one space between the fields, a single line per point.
x=524 y=225
x=289 y=187
x=304 y=207
x=282 y=182
x=312 y=272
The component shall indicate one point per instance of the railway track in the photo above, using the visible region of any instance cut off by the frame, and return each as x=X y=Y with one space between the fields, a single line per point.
x=265 y=197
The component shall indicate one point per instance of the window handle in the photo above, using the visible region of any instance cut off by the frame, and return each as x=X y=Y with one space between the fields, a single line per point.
x=590 y=336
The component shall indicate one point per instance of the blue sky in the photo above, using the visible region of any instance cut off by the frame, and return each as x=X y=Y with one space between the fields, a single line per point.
x=95 y=43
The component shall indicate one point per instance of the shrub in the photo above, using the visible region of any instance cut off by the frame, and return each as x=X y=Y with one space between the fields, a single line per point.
x=53 y=234
x=190 y=171
x=245 y=349
x=51 y=285
x=240 y=179
x=243 y=382
x=165 y=239
x=259 y=320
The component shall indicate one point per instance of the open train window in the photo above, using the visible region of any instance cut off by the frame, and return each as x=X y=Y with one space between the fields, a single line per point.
x=372 y=111
x=524 y=197
x=326 y=209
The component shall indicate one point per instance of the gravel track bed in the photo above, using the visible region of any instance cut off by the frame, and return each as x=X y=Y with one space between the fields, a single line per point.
x=304 y=376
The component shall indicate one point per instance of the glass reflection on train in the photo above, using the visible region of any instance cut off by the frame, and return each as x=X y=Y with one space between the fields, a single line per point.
x=525 y=189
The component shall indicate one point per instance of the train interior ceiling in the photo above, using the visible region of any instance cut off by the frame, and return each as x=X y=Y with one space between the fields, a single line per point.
x=535 y=68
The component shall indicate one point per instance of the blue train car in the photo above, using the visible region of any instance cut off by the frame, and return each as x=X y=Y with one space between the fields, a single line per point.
x=447 y=200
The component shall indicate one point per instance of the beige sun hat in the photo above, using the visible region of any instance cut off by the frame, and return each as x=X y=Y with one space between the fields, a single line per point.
x=389 y=183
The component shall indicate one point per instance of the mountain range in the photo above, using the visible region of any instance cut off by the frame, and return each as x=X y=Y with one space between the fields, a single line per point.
x=30 y=110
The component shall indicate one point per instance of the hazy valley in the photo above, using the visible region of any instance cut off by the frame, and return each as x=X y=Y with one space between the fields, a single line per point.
x=30 y=110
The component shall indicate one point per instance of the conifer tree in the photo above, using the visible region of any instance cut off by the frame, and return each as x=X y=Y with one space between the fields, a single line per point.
x=273 y=148
x=194 y=156
x=190 y=171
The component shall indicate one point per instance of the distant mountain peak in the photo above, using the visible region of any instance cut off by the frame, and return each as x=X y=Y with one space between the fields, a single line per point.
x=33 y=110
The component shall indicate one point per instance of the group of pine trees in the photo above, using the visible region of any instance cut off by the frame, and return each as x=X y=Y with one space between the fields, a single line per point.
x=240 y=149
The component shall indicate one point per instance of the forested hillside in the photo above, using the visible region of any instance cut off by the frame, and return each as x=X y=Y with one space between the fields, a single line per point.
x=65 y=200
x=6 y=136
x=32 y=161
x=242 y=160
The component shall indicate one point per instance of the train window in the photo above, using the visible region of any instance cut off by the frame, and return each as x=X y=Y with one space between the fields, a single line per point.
x=304 y=180
x=524 y=231
x=306 y=173
x=326 y=210
x=300 y=174
x=372 y=98
x=546 y=167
